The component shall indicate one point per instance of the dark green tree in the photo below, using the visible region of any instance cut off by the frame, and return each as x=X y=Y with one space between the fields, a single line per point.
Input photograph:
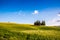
x=37 y=23
x=43 y=23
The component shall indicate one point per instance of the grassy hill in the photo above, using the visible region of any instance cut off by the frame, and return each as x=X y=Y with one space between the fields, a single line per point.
x=12 y=31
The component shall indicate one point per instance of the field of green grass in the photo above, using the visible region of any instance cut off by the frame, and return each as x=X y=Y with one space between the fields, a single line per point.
x=12 y=31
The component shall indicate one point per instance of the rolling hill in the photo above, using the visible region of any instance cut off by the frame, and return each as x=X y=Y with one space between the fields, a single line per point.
x=12 y=31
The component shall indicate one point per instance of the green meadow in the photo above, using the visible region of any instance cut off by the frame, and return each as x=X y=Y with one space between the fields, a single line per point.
x=12 y=31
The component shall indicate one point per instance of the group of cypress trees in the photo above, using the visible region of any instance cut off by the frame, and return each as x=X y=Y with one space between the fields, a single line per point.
x=38 y=23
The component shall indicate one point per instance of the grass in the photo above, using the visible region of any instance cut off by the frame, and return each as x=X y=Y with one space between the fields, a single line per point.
x=11 y=31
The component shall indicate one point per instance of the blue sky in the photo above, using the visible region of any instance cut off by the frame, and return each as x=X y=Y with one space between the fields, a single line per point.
x=28 y=11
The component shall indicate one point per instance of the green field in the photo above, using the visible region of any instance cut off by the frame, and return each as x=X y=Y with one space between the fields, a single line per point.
x=12 y=31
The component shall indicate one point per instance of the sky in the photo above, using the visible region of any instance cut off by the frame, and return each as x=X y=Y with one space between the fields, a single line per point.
x=28 y=11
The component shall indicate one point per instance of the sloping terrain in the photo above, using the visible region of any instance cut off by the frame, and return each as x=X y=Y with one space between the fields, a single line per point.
x=12 y=31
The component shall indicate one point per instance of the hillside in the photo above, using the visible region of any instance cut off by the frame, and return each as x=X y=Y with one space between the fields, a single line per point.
x=12 y=31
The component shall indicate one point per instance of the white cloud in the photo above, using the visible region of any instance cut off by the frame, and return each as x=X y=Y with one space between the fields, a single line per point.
x=21 y=13
x=58 y=14
x=35 y=12
x=51 y=16
x=53 y=22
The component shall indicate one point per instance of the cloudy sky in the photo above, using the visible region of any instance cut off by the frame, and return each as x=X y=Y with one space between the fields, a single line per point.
x=28 y=11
